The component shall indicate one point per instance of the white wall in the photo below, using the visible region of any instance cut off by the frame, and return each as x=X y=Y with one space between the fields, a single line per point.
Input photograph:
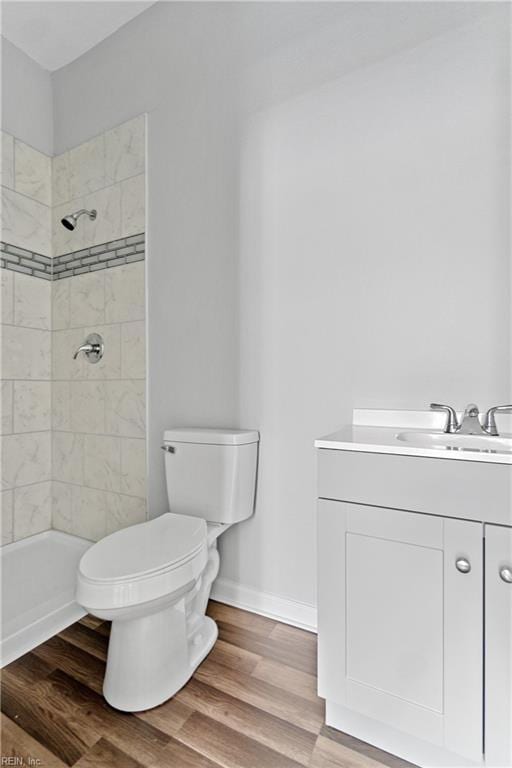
x=27 y=99
x=348 y=246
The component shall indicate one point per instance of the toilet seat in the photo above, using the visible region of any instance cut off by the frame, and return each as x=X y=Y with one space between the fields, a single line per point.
x=143 y=562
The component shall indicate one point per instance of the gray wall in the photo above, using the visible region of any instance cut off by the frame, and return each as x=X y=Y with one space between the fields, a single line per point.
x=374 y=269
x=316 y=240
x=27 y=99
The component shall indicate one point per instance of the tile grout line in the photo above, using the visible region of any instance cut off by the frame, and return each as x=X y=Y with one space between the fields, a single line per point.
x=75 y=200
x=14 y=488
x=24 y=194
x=52 y=204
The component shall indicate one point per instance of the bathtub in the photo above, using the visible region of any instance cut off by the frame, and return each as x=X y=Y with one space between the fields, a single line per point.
x=38 y=577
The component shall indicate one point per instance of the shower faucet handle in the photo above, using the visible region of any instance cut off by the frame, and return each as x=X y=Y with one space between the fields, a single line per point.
x=93 y=348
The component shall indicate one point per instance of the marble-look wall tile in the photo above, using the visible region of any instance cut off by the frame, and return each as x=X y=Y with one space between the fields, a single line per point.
x=62 y=507
x=60 y=179
x=32 y=406
x=89 y=513
x=133 y=466
x=7 y=295
x=87 y=410
x=68 y=457
x=60 y=305
x=26 y=341
x=125 y=293
x=32 y=302
x=86 y=167
x=61 y=406
x=65 y=240
x=125 y=408
x=32 y=173
x=107 y=225
x=133 y=350
x=25 y=353
x=7 y=167
x=87 y=299
x=133 y=193
x=125 y=150
x=26 y=222
x=7 y=406
x=123 y=511
x=6 y=515
x=102 y=462
x=25 y=459
x=32 y=510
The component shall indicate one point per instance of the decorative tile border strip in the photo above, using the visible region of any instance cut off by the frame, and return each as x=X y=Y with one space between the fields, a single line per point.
x=21 y=260
x=112 y=254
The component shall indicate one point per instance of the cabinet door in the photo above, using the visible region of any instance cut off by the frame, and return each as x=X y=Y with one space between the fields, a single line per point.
x=498 y=646
x=400 y=627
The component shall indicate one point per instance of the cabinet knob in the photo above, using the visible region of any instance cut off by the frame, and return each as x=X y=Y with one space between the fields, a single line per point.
x=506 y=574
x=463 y=565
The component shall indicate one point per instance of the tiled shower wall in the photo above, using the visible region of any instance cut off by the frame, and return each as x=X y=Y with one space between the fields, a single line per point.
x=99 y=410
x=26 y=342
x=96 y=461
x=106 y=173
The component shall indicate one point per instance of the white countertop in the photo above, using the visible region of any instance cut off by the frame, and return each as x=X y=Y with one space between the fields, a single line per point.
x=375 y=431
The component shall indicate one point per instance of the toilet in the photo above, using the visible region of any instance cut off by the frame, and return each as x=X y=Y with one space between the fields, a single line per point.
x=153 y=580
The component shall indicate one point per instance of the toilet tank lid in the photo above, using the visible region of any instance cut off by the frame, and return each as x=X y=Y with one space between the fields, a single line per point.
x=206 y=436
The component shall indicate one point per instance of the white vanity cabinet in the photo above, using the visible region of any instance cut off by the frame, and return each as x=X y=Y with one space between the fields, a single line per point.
x=498 y=645
x=414 y=618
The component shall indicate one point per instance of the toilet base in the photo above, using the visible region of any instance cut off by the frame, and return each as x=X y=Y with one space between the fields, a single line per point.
x=151 y=657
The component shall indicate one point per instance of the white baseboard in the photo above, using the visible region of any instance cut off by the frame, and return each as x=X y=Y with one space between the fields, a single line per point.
x=291 y=612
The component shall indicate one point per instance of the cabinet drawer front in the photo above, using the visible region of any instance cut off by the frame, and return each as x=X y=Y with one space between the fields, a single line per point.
x=395 y=525
x=461 y=489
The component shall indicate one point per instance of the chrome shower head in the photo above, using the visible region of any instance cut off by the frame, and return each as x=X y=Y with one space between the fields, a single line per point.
x=70 y=221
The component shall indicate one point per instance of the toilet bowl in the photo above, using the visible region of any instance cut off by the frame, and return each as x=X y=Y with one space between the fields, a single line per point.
x=153 y=580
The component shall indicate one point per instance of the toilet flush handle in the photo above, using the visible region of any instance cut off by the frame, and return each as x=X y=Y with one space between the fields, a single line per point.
x=168 y=448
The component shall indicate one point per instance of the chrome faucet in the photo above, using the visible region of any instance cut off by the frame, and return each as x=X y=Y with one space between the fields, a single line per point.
x=93 y=348
x=470 y=424
x=84 y=348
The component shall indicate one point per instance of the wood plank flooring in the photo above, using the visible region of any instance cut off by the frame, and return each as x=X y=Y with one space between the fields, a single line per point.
x=251 y=704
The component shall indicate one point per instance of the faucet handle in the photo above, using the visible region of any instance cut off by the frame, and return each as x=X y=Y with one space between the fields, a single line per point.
x=490 y=420
x=452 y=424
x=93 y=348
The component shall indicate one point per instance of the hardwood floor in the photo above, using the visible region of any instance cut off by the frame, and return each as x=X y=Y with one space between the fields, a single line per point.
x=251 y=704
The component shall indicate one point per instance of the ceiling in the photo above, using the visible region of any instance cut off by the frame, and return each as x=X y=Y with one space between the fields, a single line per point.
x=56 y=33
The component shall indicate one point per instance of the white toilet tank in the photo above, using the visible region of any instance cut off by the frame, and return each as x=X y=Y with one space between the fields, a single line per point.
x=211 y=473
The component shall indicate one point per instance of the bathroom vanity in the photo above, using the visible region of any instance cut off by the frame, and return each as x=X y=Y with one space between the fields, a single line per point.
x=415 y=589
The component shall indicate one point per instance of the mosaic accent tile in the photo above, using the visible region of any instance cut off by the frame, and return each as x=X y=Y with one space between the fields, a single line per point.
x=29 y=263
x=114 y=253
x=111 y=254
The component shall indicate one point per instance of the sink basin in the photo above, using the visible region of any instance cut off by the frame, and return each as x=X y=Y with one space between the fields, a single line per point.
x=441 y=440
